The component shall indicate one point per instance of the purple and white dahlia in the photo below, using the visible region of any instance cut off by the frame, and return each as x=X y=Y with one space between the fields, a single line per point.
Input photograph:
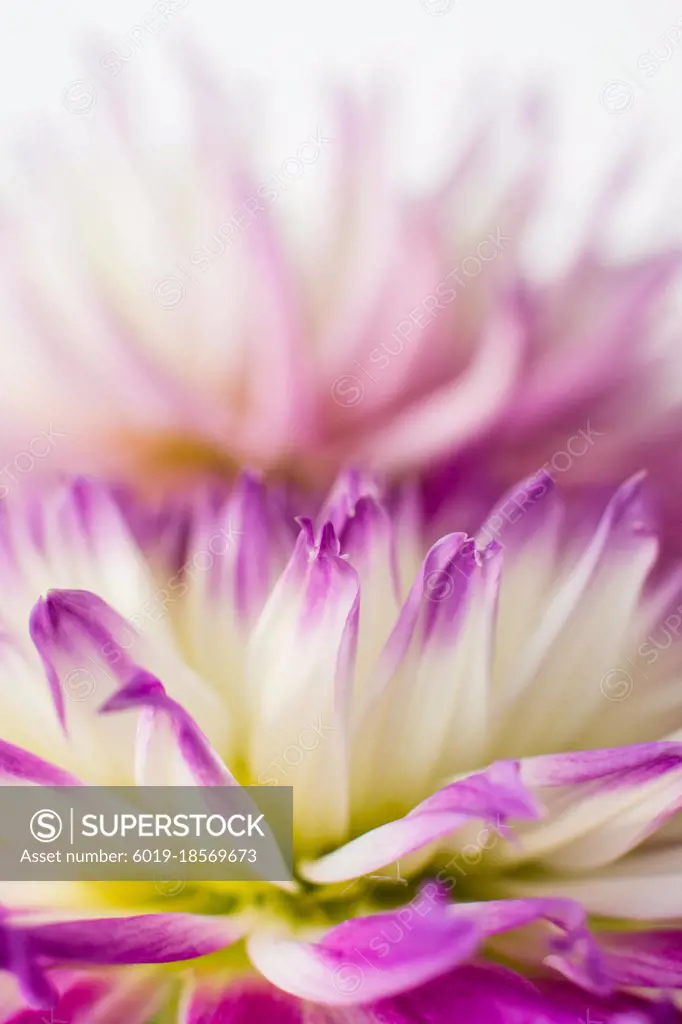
x=483 y=739
x=177 y=307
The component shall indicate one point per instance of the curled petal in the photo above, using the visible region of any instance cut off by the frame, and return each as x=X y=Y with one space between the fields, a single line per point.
x=367 y=958
x=495 y=795
x=146 y=692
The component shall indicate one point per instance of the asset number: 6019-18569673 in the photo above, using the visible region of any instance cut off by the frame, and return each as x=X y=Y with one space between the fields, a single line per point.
x=194 y=856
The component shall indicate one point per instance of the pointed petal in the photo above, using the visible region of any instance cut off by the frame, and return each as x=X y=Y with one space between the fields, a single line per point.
x=494 y=795
x=299 y=674
x=433 y=677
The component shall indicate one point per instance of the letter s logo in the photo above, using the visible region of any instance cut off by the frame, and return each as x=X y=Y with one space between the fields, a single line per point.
x=46 y=826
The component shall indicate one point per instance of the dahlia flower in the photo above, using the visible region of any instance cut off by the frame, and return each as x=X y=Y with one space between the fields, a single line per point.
x=173 y=307
x=483 y=739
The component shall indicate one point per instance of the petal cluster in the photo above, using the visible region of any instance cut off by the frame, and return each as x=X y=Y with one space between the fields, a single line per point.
x=484 y=738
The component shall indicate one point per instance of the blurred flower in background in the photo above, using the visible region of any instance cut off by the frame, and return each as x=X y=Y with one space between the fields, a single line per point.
x=171 y=314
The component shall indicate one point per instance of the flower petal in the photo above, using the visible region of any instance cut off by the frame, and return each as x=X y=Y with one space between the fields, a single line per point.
x=412 y=694
x=91 y=998
x=91 y=653
x=646 y=959
x=600 y=803
x=367 y=958
x=459 y=411
x=299 y=677
x=646 y=885
x=27 y=948
x=494 y=795
x=145 y=691
x=240 y=1003
x=20 y=766
x=490 y=994
x=551 y=691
